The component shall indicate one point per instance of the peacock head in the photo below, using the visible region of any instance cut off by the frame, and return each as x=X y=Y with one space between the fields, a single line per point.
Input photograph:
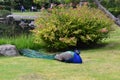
x=77 y=51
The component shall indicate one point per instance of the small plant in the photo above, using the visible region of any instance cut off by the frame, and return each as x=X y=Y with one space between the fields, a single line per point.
x=62 y=28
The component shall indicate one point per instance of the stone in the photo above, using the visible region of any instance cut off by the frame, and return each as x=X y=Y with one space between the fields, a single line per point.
x=119 y=17
x=8 y=50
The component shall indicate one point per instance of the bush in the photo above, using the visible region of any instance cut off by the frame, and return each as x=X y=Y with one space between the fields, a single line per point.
x=62 y=28
x=4 y=13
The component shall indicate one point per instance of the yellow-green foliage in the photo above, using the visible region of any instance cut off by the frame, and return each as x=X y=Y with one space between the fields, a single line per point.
x=61 y=28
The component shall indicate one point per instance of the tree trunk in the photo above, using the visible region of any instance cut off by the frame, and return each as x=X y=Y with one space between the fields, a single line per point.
x=110 y=15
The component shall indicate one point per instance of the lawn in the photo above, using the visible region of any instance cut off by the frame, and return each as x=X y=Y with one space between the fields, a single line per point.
x=26 y=13
x=98 y=64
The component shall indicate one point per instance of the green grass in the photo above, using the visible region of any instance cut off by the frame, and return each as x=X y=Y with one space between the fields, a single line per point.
x=26 y=13
x=21 y=42
x=99 y=64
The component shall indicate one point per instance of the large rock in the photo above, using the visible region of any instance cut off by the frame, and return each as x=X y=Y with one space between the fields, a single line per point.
x=8 y=50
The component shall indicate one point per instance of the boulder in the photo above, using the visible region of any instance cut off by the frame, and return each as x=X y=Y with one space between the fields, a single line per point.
x=8 y=50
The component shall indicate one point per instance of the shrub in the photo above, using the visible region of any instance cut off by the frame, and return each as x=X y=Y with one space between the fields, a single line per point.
x=62 y=28
x=4 y=13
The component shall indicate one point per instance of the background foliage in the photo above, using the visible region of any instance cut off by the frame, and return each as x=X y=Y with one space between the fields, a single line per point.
x=112 y=5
